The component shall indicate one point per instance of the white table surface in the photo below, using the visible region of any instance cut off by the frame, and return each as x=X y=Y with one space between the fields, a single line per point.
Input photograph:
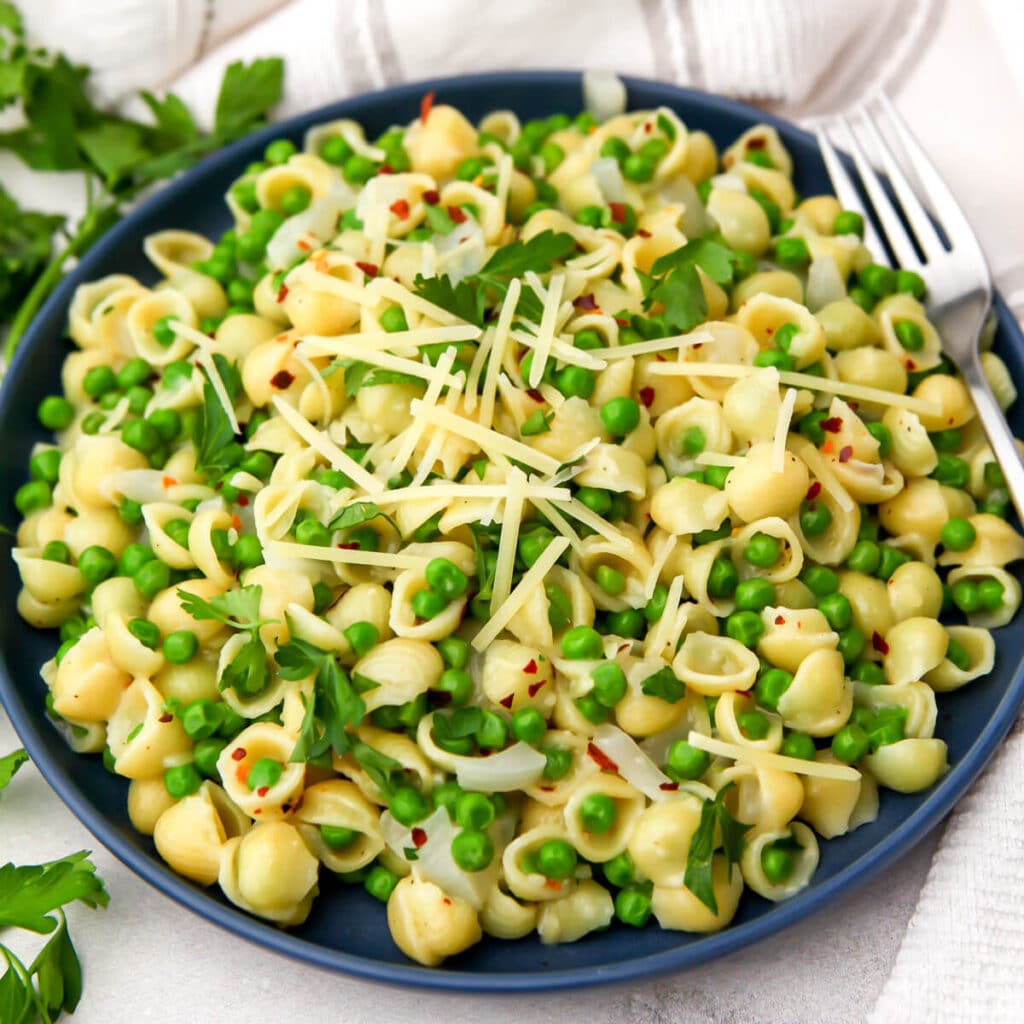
x=147 y=959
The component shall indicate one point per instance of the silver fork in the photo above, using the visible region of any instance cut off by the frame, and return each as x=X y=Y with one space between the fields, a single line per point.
x=958 y=280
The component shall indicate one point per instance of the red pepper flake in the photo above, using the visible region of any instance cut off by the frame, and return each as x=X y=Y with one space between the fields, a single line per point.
x=419 y=837
x=585 y=301
x=547 y=789
x=242 y=772
x=814 y=490
x=258 y=810
x=846 y=453
x=243 y=500
x=238 y=754
x=643 y=232
x=506 y=702
x=618 y=320
x=351 y=546
x=910 y=365
x=303 y=245
x=282 y=380
x=878 y=643
x=535 y=395
x=426 y=105
x=236 y=522
x=647 y=397
x=282 y=293
x=431 y=197
x=263 y=791
x=386 y=169
x=166 y=717
x=169 y=482
x=755 y=143
x=457 y=214
x=601 y=759
x=400 y=208
x=658 y=357
x=618 y=211
x=780 y=620
x=827 y=448
x=530 y=668
x=533 y=688
x=669 y=787
x=552 y=883
x=369 y=269
x=832 y=425
x=648 y=128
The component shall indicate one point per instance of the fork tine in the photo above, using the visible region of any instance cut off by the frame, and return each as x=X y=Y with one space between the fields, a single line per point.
x=947 y=209
x=848 y=195
x=899 y=240
x=920 y=222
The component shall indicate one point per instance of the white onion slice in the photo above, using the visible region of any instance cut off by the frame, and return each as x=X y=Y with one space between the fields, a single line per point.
x=146 y=485
x=609 y=179
x=517 y=767
x=633 y=764
x=824 y=283
x=319 y=220
x=604 y=94
x=462 y=252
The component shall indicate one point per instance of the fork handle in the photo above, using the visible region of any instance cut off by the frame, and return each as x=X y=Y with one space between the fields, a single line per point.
x=1004 y=447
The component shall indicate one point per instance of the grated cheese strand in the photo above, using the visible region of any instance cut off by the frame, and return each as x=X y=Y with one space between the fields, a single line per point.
x=658 y=637
x=526 y=586
x=558 y=521
x=782 y=431
x=320 y=442
x=546 y=333
x=764 y=759
x=499 y=343
x=417 y=337
x=457 y=492
x=515 y=498
x=818 y=465
x=347 y=556
x=645 y=348
x=203 y=357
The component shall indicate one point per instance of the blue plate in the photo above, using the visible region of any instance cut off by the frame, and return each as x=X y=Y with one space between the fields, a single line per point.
x=347 y=930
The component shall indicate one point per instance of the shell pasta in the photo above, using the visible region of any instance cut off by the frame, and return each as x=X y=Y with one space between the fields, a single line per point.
x=542 y=525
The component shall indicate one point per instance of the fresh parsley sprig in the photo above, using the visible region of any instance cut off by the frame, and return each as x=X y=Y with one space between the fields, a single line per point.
x=9 y=766
x=700 y=859
x=358 y=513
x=214 y=434
x=64 y=130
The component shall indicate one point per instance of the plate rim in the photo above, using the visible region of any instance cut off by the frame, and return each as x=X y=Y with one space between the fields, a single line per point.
x=28 y=725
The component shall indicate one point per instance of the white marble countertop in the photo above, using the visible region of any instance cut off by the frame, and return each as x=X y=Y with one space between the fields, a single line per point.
x=147 y=959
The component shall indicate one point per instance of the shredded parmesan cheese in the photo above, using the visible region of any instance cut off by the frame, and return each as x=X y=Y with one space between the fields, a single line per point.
x=765 y=759
x=782 y=430
x=819 y=466
x=546 y=333
x=347 y=556
x=509 y=540
x=499 y=343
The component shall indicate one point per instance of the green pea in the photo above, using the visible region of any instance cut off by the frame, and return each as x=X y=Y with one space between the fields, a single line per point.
x=248 y=551
x=722 y=577
x=597 y=812
x=891 y=559
x=762 y=550
x=952 y=471
x=474 y=811
x=559 y=606
x=621 y=218
x=957 y=534
x=362 y=637
x=810 y=426
x=493 y=731
x=201 y=719
x=837 y=610
x=638 y=168
x=582 y=642
x=851 y=644
x=575 y=382
x=141 y=436
x=655 y=607
x=990 y=594
x=863 y=298
x=773 y=357
x=312 y=531
x=380 y=883
x=610 y=684
x=446 y=578
x=848 y=222
x=556 y=859
x=338 y=837
x=771 y=685
x=851 y=743
x=533 y=544
x=770 y=207
x=746 y=627
x=279 y=151
x=454 y=650
x=335 y=150
x=785 y=334
x=715 y=476
x=910 y=282
x=798 y=744
x=558 y=763
x=152 y=577
x=146 y=632
x=865 y=557
x=693 y=441
x=815 y=518
x=244 y=193
x=295 y=199
x=792 y=252
x=109 y=401
x=552 y=154
x=472 y=850
x=592 y=709
x=878 y=280
x=777 y=864
x=98 y=381
x=163 y=330
x=753 y=724
x=358 y=169
x=945 y=440
x=686 y=762
x=528 y=725
x=633 y=907
x=265 y=224
x=55 y=413
x=73 y=628
x=428 y=604
x=178 y=530
x=408 y=805
x=867 y=672
x=180 y=646
x=96 y=563
x=57 y=551
x=620 y=415
x=754 y=594
x=820 y=580
x=616 y=148
x=630 y=622
x=182 y=780
x=958 y=655
x=909 y=335
x=610 y=580
x=589 y=216
x=619 y=509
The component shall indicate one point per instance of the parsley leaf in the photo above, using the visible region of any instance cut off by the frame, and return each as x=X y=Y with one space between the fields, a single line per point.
x=213 y=433
x=364 y=375
x=334 y=707
x=538 y=422
x=699 y=878
x=385 y=772
x=25 y=248
x=357 y=514
x=664 y=684
x=9 y=766
x=247 y=673
x=239 y=608
x=463 y=300
x=246 y=93
x=29 y=893
x=438 y=219
x=715 y=259
x=539 y=254
x=682 y=295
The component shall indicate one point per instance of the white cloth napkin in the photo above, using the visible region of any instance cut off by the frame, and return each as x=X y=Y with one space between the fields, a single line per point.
x=960 y=960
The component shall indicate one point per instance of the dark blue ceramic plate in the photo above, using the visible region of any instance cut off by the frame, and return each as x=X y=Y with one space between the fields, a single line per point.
x=347 y=930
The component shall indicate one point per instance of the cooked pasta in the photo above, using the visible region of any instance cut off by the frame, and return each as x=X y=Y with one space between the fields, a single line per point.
x=537 y=524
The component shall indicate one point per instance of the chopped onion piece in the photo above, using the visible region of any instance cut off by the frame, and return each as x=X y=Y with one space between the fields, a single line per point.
x=319 y=219
x=462 y=252
x=517 y=767
x=729 y=181
x=824 y=283
x=679 y=189
x=633 y=764
x=604 y=94
x=146 y=485
x=609 y=179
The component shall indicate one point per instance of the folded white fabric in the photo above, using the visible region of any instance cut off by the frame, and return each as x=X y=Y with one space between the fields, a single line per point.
x=960 y=961
x=810 y=56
